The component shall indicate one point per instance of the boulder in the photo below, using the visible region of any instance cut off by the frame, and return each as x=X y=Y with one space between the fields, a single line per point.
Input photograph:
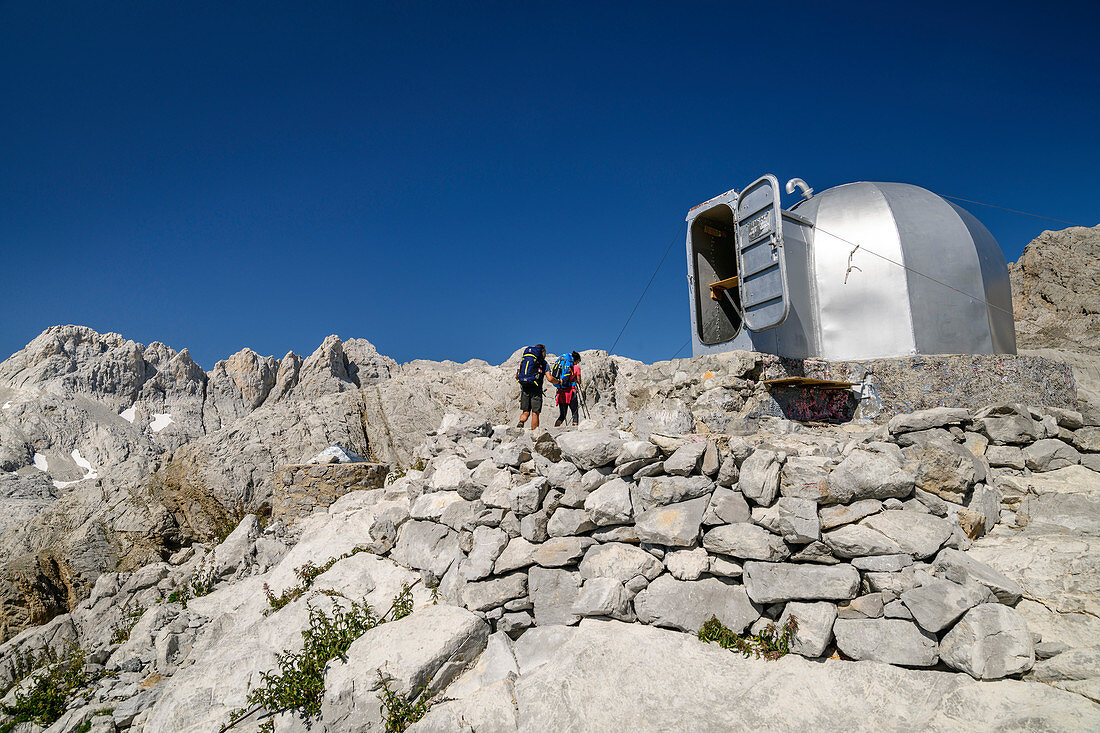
x=945 y=469
x=494 y=592
x=746 y=541
x=566 y=522
x=960 y=567
x=518 y=553
x=889 y=640
x=835 y=516
x=759 y=482
x=936 y=604
x=795 y=519
x=921 y=535
x=936 y=417
x=527 y=498
x=805 y=477
x=588 y=449
x=1009 y=429
x=686 y=605
x=554 y=593
x=856 y=540
x=488 y=543
x=1050 y=454
x=867 y=475
x=428 y=648
x=990 y=642
x=636 y=450
x=653 y=491
x=1005 y=456
x=620 y=561
x=560 y=551
x=603 y=597
x=610 y=504
x=814 y=630
x=726 y=506
x=768 y=582
x=687 y=564
x=675 y=525
x=426 y=546
x=685 y=460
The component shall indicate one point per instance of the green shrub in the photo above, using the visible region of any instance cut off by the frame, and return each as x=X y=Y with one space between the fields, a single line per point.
x=767 y=644
x=44 y=701
x=401 y=712
x=298 y=683
x=120 y=632
x=201 y=583
x=306 y=575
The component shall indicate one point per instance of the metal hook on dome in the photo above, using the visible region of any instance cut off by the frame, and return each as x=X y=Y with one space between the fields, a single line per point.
x=798 y=183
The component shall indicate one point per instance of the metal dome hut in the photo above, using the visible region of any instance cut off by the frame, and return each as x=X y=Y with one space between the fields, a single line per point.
x=859 y=271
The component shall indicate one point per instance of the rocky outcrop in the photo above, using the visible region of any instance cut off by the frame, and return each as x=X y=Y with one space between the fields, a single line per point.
x=1054 y=287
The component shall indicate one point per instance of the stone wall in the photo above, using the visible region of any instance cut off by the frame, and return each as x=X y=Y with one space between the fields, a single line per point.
x=907 y=384
x=858 y=531
x=302 y=488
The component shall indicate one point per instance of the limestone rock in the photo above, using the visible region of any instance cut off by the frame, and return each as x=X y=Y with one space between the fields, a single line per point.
x=921 y=535
x=857 y=540
x=619 y=561
x=428 y=648
x=588 y=449
x=554 y=593
x=610 y=504
x=675 y=525
x=814 y=630
x=687 y=564
x=726 y=506
x=779 y=582
x=686 y=605
x=935 y=417
x=990 y=642
x=759 y=482
x=889 y=640
x=1050 y=454
x=960 y=567
x=685 y=460
x=936 y=604
x=746 y=541
x=792 y=518
x=866 y=475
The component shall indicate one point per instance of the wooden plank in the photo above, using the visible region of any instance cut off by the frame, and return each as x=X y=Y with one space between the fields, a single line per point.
x=808 y=382
x=716 y=288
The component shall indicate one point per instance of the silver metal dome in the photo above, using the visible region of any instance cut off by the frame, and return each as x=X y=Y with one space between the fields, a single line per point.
x=859 y=271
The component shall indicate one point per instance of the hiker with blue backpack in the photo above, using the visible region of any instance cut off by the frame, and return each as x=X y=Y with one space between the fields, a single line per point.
x=532 y=368
x=566 y=376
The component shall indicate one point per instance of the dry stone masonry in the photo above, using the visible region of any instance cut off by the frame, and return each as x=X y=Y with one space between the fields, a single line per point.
x=857 y=531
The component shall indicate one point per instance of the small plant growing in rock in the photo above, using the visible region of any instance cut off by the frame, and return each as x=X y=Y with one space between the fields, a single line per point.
x=306 y=575
x=22 y=663
x=120 y=632
x=201 y=583
x=298 y=683
x=44 y=701
x=401 y=712
x=769 y=643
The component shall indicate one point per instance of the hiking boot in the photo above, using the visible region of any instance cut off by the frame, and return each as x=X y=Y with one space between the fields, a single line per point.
x=557 y=424
x=519 y=424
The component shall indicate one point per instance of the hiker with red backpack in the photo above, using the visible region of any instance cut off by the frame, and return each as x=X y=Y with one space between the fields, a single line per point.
x=566 y=376
x=532 y=368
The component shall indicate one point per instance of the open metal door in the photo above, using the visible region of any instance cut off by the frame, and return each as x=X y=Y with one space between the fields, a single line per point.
x=761 y=265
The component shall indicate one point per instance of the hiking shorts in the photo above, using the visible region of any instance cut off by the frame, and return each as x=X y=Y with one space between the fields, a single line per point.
x=530 y=398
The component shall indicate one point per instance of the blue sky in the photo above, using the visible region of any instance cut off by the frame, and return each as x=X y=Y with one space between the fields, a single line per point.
x=459 y=180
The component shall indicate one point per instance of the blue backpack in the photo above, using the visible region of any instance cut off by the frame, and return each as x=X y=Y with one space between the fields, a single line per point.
x=563 y=371
x=530 y=371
